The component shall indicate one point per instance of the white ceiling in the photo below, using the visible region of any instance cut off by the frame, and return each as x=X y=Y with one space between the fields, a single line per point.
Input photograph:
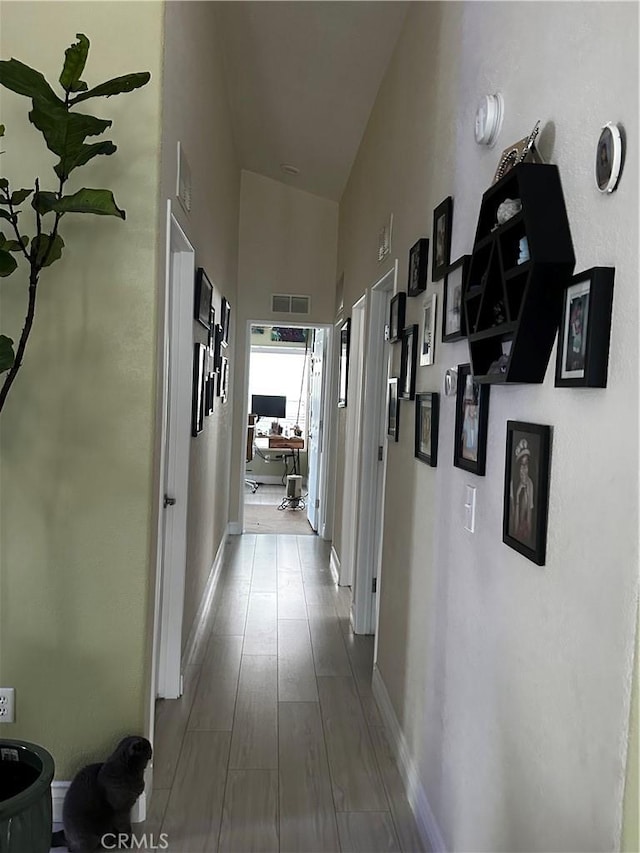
x=302 y=78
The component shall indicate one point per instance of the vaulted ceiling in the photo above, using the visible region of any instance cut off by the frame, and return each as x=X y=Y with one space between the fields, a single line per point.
x=302 y=78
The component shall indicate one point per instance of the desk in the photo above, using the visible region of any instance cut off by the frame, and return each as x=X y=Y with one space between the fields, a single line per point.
x=292 y=444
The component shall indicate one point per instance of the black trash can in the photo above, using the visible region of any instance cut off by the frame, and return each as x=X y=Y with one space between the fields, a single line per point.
x=26 y=772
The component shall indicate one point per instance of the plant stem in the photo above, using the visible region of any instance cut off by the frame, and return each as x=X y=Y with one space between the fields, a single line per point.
x=24 y=337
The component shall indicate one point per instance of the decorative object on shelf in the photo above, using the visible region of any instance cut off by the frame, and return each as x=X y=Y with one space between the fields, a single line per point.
x=489 y=116
x=202 y=300
x=426 y=432
x=609 y=156
x=508 y=209
x=198 y=393
x=523 y=250
x=418 y=267
x=583 y=342
x=225 y=321
x=454 y=326
x=513 y=309
x=223 y=379
x=393 y=410
x=396 y=315
x=522 y=151
x=526 y=489
x=442 y=220
x=472 y=418
x=450 y=382
x=343 y=364
x=408 y=362
x=428 y=341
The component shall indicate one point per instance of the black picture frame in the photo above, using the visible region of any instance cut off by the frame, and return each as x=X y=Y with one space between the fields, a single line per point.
x=343 y=363
x=212 y=329
x=426 y=427
x=225 y=321
x=472 y=420
x=210 y=392
x=526 y=489
x=202 y=299
x=442 y=221
x=454 y=324
x=397 y=310
x=393 y=410
x=418 y=267
x=198 y=392
x=582 y=358
x=217 y=348
x=409 y=362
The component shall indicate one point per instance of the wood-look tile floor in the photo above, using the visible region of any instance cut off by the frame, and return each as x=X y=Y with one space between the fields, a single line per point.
x=277 y=743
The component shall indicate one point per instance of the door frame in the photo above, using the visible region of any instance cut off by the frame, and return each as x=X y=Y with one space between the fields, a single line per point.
x=351 y=490
x=324 y=472
x=173 y=463
x=371 y=471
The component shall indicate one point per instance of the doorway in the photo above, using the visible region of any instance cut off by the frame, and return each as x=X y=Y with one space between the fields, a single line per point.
x=284 y=476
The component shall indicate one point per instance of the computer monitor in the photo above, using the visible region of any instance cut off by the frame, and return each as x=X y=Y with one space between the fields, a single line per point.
x=268 y=406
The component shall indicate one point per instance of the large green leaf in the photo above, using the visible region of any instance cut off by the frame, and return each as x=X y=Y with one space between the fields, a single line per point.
x=7 y=263
x=64 y=132
x=4 y=183
x=1 y=130
x=74 y=62
x=4 y=214
x=7 y=356
x=117 y=86
x=43 y=202
x=40 y=249
x=86 y=200
x=20 y=78
x=19 y=196
x=81 y=156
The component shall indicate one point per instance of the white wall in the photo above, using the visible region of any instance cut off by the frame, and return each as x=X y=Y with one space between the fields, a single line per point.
x=288 y=244
x=195 y=111
x=510 y=681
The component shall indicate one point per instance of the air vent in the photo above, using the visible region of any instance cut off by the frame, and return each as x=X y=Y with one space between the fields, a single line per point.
x=285 y=303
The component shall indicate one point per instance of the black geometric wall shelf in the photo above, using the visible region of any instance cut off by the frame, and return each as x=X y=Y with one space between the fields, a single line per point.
x=513 y=308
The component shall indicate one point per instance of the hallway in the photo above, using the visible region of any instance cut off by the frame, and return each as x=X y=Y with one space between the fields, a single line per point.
x=277 y=743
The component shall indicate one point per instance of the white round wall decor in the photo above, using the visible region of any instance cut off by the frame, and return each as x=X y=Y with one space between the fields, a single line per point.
x=489 y=117
x=608 y=158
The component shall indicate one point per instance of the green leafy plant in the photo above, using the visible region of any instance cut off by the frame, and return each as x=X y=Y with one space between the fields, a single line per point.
x=65 y=131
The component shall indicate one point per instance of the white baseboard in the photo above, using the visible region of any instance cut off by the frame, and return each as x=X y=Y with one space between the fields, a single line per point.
x=334 y=565
x=59 y=792
x=234 y=528
x=425 y=820
x=200 y=618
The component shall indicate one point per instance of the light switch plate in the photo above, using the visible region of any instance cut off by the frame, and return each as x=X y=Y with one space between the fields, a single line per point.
x=470 y=509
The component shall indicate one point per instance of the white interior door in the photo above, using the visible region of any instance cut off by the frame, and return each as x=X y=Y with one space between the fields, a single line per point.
x=172 y=528
x=314 y=435
x=372 y=463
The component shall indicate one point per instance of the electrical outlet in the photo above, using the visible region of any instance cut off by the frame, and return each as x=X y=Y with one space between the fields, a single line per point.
x=7 y=705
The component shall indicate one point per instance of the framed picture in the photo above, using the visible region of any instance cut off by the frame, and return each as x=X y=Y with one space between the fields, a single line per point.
x=418 y=267
x=343 y=365
x=396 y=316
x=526 y=489
x=609 y=157
x=428 y=339
x=583 y=343
x=426 y=440
x=217 y=348
x=454 y=327
x=225 y=321
x=223 y=378
x=472 y=417
x=198 y=394
x=210 y=392
x=408 y=362
x=211 y=338
x=442 y=219
x=202 y=299
x=393 y=411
